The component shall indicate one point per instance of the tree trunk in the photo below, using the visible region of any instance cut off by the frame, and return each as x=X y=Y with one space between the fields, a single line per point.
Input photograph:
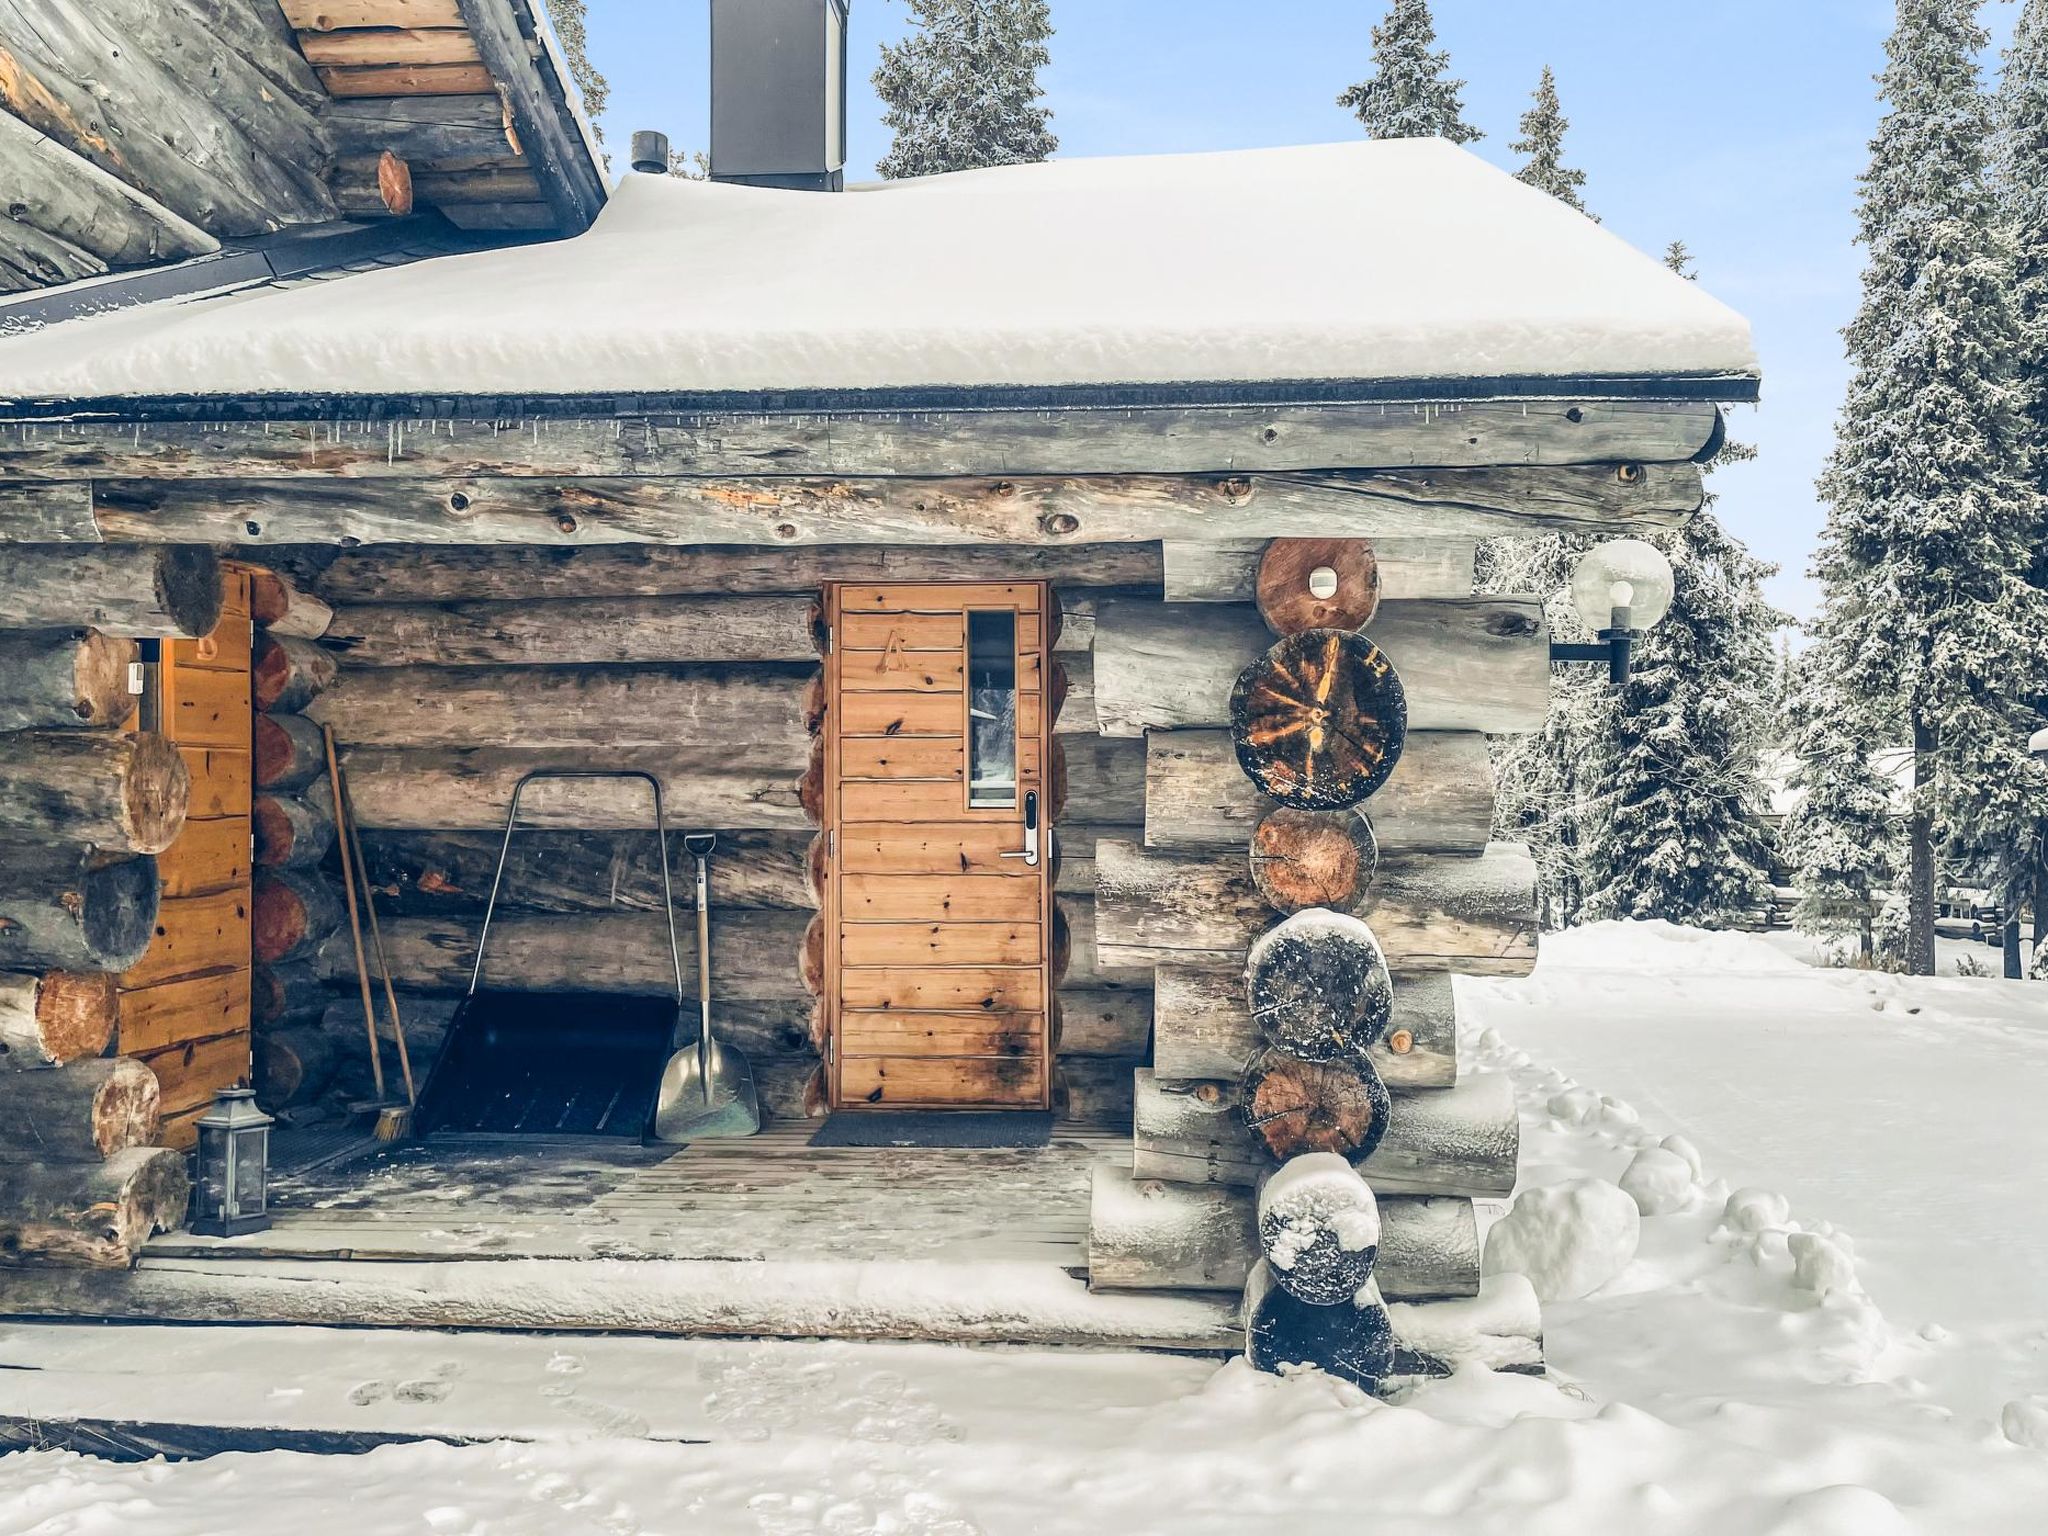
x=751 y=960
x=288 y=673
x=579 y=631
x=1920 y=852
x=1303 y=859
x=1202 y=1030
x=2015 y=963
x=86 y=1110
x=1319 y=1229
x=293 y=1065
x=557 y=871
x=1296 y=1106
x=566 y=707
x=290 y=832
x=92 y=1214
x=75 y=912
x=75 y=788
x=278 y=605
x=55 y=1017
x=1317 y=986
x=292 y=913
x=118 y=589
x=289 y=752
x=1307 y=584
x=1226 y=570
x=1480 y=664
x=468 y=788
x=62 y=679
x=1353 y=1341
x=1439 y=798
x=1475 y=916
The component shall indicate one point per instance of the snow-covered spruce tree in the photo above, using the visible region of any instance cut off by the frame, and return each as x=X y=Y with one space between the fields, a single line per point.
x=1542 y=148
x=1931 y=513
x=572 y=32
x=1409 y=94
x=961 y=90
x=2022 y=169
x=1841 y=835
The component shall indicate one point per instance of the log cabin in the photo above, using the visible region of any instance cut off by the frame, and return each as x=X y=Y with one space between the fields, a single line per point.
x=1052 y=586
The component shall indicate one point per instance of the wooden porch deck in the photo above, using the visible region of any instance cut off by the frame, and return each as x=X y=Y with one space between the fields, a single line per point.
x=767 y=1237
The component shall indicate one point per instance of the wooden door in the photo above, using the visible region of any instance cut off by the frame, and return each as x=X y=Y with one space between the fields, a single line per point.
x=938 y=980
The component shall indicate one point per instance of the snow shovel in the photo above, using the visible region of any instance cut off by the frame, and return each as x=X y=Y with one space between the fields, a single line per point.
x=707 y=1090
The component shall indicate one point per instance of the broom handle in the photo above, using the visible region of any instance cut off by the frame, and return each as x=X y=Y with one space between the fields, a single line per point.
x=704 y=973
x=355 y=922
x=355 y=841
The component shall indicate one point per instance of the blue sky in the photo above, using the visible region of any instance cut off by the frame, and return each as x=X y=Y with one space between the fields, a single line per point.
x=1738 y=126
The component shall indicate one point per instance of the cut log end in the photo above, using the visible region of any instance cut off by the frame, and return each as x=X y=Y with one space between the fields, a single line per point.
x=1318 y=584
x=100 y=679
x=291 y=914
x=155 y=794
x=1319 y=721
x=1295 y=1106
x=189 y=588
x=1318 y=986
x=55 y=1017
x=289 y=753
x=1303 y=859
x=1354 y=1341
x=1319 y=1228
x=287 y=673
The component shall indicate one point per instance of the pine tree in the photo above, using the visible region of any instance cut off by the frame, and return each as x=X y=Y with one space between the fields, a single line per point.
x=2022 y=168
x=1841 y=835
x=1409 y=94
x=1542 y=146
x=1925 y=559
x=961 y=90
x=571 y=31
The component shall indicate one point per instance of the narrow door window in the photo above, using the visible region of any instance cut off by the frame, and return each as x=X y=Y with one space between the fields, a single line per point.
x=992 y=710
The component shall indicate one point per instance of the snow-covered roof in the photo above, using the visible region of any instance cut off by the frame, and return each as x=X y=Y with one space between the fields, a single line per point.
x=1396 y=260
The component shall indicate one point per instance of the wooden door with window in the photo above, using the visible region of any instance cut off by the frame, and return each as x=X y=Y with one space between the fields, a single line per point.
x=938 y=907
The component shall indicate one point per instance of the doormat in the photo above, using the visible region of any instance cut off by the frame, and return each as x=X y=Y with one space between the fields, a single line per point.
x=936 y=1128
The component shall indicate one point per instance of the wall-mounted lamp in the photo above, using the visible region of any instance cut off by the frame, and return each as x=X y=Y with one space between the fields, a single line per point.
x=1621 y=589
x=2037 y=746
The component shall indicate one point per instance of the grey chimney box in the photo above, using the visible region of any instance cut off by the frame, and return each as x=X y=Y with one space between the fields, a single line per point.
x=778 y=93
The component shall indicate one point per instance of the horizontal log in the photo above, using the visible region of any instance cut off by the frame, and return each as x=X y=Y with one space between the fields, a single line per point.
x=483 y=573
x=557 y=631
x=1477 y=664
x=390 y=45
x=75 y=911
x=1154 y=1235
x=31 y=258
x=1046 y=509
x=48 y=1018
x=1090 y=1090
x=76 y=1113
x=92 y=1214
x=47 y=512
x=1226 y=570
x=425 y=873
x=1477 y=916
x=280 y=605
x=469 y=788
x=1230 y=443
x=64 y=678
x=141 y=590
x=753 y=957
x=328 y=15
x=1201 y=1027
x=290 y=831
x=284 y=994
x=288 y=751
x=423 y=129
x=1105 y=1023
x=288 y=673
x=63 y=194
x=79 y=788
x=291 y=913
x=1105 y=781
x=614 y=708
x=1440 y=1141
x=292 y=1065
x=1439 y=798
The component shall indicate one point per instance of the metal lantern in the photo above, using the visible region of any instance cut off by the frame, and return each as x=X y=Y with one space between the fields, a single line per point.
x=232 y=1192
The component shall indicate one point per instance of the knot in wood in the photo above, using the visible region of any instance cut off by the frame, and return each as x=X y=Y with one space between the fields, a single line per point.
x=1235 y=489
x=458 y=501
x=1209 y=1093
x=1060 y=524
x=1270 y=435
x=565 y=522
x=1401 y=1042
x=1004 y=490
x=1575 y=415
x=1628 y=474
x=786 y=530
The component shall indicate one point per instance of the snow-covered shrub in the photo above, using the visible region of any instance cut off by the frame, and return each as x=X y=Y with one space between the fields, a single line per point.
x=1660 y=1182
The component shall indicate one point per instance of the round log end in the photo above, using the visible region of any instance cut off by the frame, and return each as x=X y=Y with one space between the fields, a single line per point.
x=1295 y=1106
x=270 y=596
x=1319 y=721
x=814 y=702
x=394 y=184
x=155 y=794
x=810 y=789
x=99 y=679
x=1317 y=985
x=290 y=914
x=811 y=964
x=1353 y=1341
x=1318 y=584
x=126 y=1108
x=817 y=1094
x=818 y=868
x=75 y=1011
x=118 y=901
x=288 y=753
x=1303 y=859
x=190 y=588
x=270 y=673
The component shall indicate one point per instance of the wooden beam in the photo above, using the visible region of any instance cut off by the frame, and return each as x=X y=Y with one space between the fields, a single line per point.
x=543 y=119
x=259 y=33
x=1475 y=916
x=1476 y=664
x=1439 y=798
x=1235 y=444
x=390 y=45
x=47 y=512
x=34 y=258
x=1036 y=511
x=423 y=129
x=334 y=15
x=67 y=195
x=1225 y=570
x=557 y=631
x=406 y=80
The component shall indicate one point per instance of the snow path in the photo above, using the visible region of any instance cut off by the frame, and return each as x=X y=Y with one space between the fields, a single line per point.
x=1710 y=1390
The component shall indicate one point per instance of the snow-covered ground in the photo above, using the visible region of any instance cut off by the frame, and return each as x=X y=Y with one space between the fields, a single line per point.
x=1867 y=1355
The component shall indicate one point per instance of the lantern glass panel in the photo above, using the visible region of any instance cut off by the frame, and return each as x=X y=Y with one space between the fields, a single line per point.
x=252 y=1155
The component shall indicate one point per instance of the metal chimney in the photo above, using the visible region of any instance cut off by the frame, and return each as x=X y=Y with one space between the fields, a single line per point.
x=778 y=93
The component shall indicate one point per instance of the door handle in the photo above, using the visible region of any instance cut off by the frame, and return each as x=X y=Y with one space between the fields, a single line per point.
x=1029 y=852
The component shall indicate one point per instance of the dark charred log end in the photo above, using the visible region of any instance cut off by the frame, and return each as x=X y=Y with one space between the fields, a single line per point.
x=190 y=587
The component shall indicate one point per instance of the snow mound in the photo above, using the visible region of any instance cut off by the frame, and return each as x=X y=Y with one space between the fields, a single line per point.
x=1662 y=948
x=2025 y=1422
x=1569 y=1239
x=1756 y=1210
x=1659 y=1181
x=1822 y=1265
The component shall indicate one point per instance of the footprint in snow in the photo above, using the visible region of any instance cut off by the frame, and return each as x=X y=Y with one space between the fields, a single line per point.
x=370 y=1392
x=424 y=1390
